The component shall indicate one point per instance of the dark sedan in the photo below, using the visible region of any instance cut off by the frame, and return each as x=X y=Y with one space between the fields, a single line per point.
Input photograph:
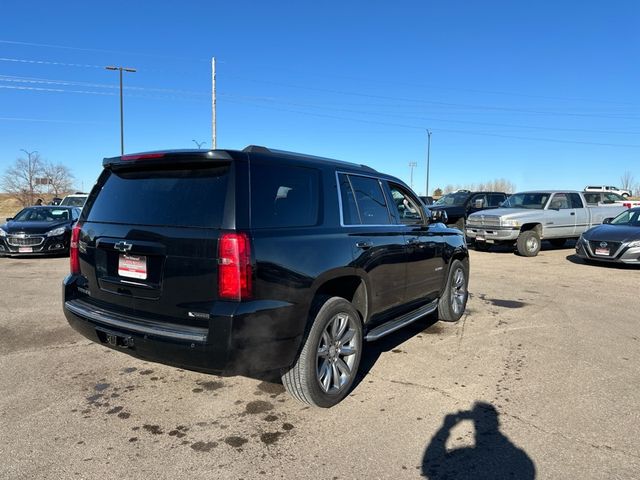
x=38 y=231
x=616 y=240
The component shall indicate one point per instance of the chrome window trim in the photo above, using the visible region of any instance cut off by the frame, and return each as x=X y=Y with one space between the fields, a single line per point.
x=340 y=207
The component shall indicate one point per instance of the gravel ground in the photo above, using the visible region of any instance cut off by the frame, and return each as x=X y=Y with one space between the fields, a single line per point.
x=539 y=379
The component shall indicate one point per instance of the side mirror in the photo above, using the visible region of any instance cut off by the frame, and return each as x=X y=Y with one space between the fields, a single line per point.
x=438 y=216
x=607 y=220
x=9 y=219
x=479 y=203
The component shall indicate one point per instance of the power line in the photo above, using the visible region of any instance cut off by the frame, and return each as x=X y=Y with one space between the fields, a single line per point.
x=465 y=132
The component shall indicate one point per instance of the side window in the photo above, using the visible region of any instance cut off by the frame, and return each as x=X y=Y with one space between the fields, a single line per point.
x=576 y=201
x=370 y=200
x=495 y=199
x=560 y=201
x=350 y=215
x=480 y=196
x=592 y=198
x=286 y=196
x=408 y=207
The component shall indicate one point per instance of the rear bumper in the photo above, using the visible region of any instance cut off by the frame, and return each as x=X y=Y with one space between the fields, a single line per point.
x=240 y=339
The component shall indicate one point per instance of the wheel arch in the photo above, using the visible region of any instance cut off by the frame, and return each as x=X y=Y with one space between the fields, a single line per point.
x=346 y=284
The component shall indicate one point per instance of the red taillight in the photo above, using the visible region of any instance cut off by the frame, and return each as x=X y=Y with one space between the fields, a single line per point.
x=628 y=205
x=142 y=156
x=74 y=258
x=234 y=267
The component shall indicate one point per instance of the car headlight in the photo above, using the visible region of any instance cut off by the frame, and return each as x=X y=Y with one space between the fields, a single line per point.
x=3 y=233
x=510 y=223
x=634 y=244
x=56 y=231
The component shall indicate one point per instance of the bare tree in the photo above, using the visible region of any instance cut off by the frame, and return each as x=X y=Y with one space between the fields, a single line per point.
x=497 y=185
x=627 y=180
x=19 y=181
x=59 y=177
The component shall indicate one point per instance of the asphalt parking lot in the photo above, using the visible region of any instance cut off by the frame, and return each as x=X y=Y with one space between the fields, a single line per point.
x=540 y=378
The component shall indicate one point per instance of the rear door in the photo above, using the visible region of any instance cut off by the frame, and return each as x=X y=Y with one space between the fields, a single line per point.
x=149 y=243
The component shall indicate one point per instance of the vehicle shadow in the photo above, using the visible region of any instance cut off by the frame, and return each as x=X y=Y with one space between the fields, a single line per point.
x=373 y=350
x=493 y=456
x=545 y=246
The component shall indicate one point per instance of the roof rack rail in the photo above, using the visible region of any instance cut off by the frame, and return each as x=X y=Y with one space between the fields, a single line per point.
x=256 y=149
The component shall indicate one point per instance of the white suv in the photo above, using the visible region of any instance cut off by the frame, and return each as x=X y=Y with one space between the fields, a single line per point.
x=608 y=188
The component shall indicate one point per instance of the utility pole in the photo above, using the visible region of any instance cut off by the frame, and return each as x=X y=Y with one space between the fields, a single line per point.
x=428 y=158
x=121 y=69
x=213 y=103
x=412 y=165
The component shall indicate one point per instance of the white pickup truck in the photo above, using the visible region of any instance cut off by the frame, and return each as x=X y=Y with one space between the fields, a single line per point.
x=526 y=218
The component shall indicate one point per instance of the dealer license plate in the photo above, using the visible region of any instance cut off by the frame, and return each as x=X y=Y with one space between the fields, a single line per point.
x=132 y=266
x=602 y=251
x=25 y=250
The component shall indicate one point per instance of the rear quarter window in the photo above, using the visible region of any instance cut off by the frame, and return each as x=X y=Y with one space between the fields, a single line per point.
x=284 y=196
x=167 y=197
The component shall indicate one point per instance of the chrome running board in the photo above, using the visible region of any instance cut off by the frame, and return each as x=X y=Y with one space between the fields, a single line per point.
x=397 y=323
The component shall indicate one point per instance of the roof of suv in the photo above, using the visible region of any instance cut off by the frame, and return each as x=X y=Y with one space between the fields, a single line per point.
x=227 y=155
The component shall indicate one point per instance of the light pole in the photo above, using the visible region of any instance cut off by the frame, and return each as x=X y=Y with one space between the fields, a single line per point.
x=428 y=155
x=412 y=165
x=121 y=69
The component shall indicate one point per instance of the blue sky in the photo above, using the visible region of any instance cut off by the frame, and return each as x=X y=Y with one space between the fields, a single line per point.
x=544 y=94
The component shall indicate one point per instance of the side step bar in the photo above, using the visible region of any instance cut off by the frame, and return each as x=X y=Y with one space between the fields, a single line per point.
x=397 y=323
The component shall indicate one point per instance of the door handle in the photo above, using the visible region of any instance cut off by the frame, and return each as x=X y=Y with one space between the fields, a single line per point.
x=573 y=213
x=364 y=245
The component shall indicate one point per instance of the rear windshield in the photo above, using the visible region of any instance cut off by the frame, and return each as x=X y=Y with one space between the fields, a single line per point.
x=174 y=197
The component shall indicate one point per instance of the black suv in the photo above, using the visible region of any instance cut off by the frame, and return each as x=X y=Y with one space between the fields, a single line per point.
x=241 y=262
x=459 y=205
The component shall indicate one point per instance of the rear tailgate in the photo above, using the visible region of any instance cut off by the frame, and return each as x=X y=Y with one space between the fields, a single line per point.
x=149 y=239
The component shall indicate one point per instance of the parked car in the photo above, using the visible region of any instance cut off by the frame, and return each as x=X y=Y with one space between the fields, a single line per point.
x=237 y=262
x=427 y=200
x=609 y=198
x=459 y=205
x=526 y=218
x=55 y=201
x=608 y=188
x=74 y=200
x=617 y=240
x=38 y=231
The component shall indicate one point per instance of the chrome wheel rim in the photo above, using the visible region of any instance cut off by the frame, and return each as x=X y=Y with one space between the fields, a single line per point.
x=532 y=244
x=337 y=353
x=458 y=291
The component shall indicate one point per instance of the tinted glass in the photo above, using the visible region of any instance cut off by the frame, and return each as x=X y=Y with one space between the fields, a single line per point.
x=350 y=214
x=560 y=201
x=42 y=215
x=74 y=201
x=576 y=201
x=453 y=199
x=408 y=207
x=527 y=200
x=286 y=196
x=592 y=198
x=628 y=217
x=494 y=200
x=370 y=199
x=172 y=197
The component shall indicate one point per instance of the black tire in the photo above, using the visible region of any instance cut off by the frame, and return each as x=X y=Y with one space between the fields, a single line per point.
x=528 y=243
x=625 y=196
x=456 y=293
x=306 y=379
x=481 y=246
x=558 y=242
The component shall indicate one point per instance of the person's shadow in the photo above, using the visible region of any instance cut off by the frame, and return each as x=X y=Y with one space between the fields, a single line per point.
x=493 y=457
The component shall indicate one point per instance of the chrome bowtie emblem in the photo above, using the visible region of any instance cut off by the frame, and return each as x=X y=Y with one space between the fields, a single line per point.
x=123 y=246
x=603 y=244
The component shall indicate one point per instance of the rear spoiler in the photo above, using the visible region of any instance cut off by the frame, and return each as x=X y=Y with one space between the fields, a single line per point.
x=170 y=157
